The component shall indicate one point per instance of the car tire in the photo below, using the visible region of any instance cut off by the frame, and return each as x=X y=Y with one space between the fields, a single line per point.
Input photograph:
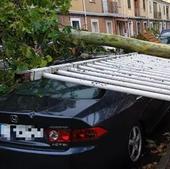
x=134 y=144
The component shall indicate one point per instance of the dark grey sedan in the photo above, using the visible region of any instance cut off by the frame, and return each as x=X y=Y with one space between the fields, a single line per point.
x=48 y=123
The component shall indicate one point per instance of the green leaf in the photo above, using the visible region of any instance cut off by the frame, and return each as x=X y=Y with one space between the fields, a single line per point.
x=43 y=63
x=21 y=68
x=26 y=28
x=49 y=58
x=3 y=89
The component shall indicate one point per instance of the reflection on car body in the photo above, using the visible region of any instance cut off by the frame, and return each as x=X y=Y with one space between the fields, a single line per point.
x=74 y=126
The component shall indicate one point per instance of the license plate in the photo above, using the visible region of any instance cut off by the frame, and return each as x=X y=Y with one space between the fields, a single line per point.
x=20 y=132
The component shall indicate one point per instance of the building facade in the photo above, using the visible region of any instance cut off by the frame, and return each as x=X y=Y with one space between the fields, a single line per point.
x=123 y=17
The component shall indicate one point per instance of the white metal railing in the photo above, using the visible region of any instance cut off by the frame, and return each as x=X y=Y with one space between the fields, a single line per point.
x=132 y=73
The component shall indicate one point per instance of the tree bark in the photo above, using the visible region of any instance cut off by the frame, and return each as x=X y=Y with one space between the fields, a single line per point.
x=140 y=46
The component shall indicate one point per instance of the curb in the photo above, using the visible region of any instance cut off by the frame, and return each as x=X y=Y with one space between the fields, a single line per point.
x=164 y=162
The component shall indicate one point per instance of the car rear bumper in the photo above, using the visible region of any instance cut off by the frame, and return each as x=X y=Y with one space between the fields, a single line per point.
x=74 y=158
x=49 y=152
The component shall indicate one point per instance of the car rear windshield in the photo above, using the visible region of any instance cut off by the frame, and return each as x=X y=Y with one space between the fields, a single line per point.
x=58 y=89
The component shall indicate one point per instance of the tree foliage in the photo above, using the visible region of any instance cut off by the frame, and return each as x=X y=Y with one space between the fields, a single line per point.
x=30 y=36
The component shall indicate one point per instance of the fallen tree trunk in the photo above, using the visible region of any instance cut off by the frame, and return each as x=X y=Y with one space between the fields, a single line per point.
x=140 y=46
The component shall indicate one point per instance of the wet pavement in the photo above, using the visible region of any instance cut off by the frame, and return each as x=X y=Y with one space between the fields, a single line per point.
x=157 y=147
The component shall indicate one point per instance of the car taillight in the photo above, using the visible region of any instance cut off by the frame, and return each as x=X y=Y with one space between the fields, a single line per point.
x=87 y=134
x=77 y=135
x=59 y=136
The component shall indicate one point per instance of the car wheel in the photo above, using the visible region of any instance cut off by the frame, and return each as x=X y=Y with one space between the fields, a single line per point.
x=135 y=143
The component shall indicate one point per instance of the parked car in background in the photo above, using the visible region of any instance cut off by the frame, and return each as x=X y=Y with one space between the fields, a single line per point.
x=48 y=123
x=165 y=36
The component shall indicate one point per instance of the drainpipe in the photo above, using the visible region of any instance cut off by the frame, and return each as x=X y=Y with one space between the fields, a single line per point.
x=85 y=14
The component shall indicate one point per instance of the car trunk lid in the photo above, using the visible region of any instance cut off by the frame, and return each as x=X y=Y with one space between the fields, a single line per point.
x=29 y=129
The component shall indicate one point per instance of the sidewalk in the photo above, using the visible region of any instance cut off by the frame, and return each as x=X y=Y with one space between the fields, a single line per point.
x=165 y=160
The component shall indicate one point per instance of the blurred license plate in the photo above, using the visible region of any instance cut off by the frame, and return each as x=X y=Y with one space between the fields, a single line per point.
x=20 y=132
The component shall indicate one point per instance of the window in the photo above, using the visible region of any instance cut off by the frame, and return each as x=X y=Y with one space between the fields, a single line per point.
x=144 y=4
x=164 y=10
x=138 y=27
x=75 y=23
x=95 y=25
x=151 y=24
x=105 y=6
x=167 y=12
x=119 y=3
x=145 y=25
x=150 y=7
x=109 y=27
x=129 y=3
x=159 y=8
x=160 y=12
x=160 y=26
x=130 y=29
x=155 y=9
x=115 y=7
